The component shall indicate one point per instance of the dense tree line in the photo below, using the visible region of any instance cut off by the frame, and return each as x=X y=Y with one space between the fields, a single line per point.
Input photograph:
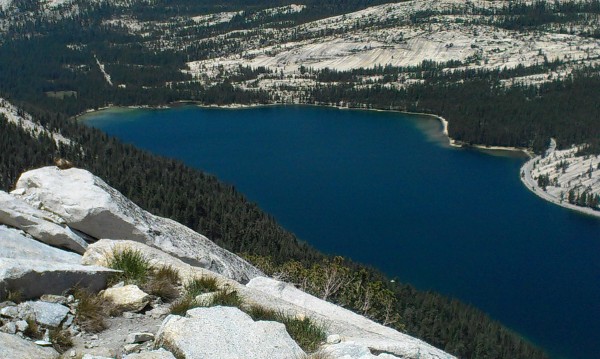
x=441 y=321
x=481 y=111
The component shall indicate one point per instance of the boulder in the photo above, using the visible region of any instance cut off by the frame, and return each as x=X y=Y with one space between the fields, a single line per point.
x=36 y=269
x=225 y=333
x=11 y=346
x=155 y=354
x=128 y=298
x=46 y=314
x=352 y=327
x=39 y=224
x=91 y=206
x=133 y=338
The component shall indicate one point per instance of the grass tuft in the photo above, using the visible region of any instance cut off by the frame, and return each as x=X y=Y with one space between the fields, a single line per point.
x=33 y=330
x=226 y=298
x=308 y=334
x=61 y=340
x=167 y=273
x=134 y=266
x=163 y=283
x=91 y=311
x=184 y=304
x=201 y=285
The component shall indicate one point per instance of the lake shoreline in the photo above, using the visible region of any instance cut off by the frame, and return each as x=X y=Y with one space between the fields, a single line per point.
x=533 y=186
x=445 y=124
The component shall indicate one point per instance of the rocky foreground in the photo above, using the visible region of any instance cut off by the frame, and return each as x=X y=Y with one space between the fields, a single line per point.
x=61 y=233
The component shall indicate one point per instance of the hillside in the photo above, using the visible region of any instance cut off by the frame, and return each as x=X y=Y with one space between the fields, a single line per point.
x=501 y=73
x=71 y=205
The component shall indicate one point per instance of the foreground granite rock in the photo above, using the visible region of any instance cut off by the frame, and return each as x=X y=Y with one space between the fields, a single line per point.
x=35 y=269
x=11 y=346
x=348 y=325
x=91 y=206
x=127 y=298
x=41 y=225
x=226 y=333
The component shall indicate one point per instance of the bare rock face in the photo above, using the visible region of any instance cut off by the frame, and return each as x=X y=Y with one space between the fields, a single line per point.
x=36 y=269
x=362 y=332
x=89 y=205
x=128 y=298
x=11 y=346
x=40 y=225
x=226 y=333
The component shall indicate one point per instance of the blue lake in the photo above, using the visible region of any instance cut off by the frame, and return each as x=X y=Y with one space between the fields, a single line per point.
x=382 y=189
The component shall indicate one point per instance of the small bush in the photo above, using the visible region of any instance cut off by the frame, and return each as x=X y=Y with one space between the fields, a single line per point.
x=184 y=304
x=61 y=340
x=135 y=267
x=91 y=311
x=201 y=285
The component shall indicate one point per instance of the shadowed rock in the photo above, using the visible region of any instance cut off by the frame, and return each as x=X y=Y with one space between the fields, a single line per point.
x=34 y=268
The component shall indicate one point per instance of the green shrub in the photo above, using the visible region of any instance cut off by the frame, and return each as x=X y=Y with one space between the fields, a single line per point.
x=134 y=266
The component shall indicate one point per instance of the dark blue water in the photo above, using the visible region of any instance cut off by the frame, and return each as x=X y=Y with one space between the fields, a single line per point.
x=377 y=187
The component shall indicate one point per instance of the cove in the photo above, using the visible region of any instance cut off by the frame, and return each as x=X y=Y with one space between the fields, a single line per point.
x=381 y=188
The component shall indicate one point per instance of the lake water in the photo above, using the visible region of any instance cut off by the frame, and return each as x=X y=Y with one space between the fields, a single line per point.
x=382 y=189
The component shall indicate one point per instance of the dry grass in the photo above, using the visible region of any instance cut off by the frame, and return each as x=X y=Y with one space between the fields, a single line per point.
x=33 y=330
x=61 y=340
x=163 y=282
x=181 y=306
x=91 y=311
